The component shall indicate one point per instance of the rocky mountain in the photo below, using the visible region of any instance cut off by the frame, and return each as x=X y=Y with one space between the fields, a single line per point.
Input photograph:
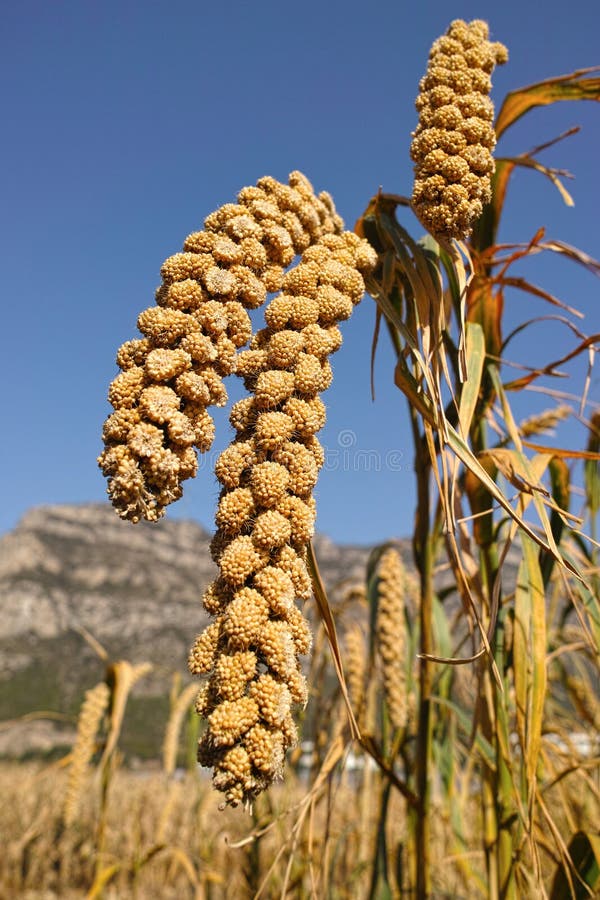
x=74 y=575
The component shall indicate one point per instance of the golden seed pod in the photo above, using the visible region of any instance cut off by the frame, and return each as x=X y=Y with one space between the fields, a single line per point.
x=244 y=619
x=269 y=482
x=202 y=654
x=294 y=564
x=544 y=422
x=277 y=587
x=266 y=512
x=239 y=560
x=453 y=142
x=355 y=665
x=234 y=510
x=232 y=673
x=272 y=430
x=391 y=634
x=265 y=750
x=231 y=719
x=191 y=337
x=92 y=711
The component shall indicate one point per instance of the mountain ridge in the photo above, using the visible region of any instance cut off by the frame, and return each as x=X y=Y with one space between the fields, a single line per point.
x=72 y=575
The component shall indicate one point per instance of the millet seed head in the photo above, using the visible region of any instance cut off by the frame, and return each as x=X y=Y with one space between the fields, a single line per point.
x=266 y=511
x=246 y=614
x=190 y=338
x=453 y=142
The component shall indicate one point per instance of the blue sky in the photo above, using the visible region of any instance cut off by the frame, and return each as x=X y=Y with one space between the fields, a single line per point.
x=126 y=123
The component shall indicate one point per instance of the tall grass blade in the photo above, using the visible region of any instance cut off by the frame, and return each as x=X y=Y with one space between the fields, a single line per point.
x=176 y=717
x=560 y=483
x=475 y=358
x=466 y=456
x=530 y=582
x=122 y=676
x=330 y=629
x=91 y=714
x=102 y=879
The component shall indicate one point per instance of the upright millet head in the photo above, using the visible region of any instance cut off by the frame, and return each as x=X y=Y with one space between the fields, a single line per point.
x=453 y=142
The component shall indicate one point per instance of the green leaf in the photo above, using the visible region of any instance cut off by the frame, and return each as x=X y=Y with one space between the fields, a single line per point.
x=591 y=604
x=535 y=587
x=465 y=454
x=521 y=656
x=470 y=389
x=466 y=723
x=443 y=642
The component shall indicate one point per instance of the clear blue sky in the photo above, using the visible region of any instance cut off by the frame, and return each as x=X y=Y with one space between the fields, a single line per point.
x=126 y=123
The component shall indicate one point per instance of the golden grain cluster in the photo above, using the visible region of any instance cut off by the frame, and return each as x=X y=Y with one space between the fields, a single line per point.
x=391 y=634
x=265 y=519
x=453 y=142
x=173 y=373
x=92 y=711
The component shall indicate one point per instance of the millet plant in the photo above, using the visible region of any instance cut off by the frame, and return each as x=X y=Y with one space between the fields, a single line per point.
x=464 y=690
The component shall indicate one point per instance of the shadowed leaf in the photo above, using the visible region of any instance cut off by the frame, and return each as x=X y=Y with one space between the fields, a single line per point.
x=592 y=468
x=560 y=483
x=584 y=851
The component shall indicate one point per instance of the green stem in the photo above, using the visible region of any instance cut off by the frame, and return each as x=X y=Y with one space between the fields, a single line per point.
x=379 y=877
x=505 y=812
x=105 y=782
x=498 y=805
x=423 y=553
x=499 y=808
x=490 y=831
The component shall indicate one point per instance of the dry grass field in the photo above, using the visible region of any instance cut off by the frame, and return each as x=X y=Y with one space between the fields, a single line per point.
x=339 y=824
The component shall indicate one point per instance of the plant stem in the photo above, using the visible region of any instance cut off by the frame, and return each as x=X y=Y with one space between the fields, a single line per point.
x=504 y=790
x=500 y=805
x=379 y=875
x=423 y=553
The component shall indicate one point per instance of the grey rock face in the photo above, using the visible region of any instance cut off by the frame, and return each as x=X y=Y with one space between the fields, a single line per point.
x=67 y=568
x=68 y=571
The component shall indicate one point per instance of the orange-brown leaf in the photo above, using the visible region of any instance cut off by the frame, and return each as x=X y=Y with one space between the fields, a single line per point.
x=562 y=453
x=575 y=86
